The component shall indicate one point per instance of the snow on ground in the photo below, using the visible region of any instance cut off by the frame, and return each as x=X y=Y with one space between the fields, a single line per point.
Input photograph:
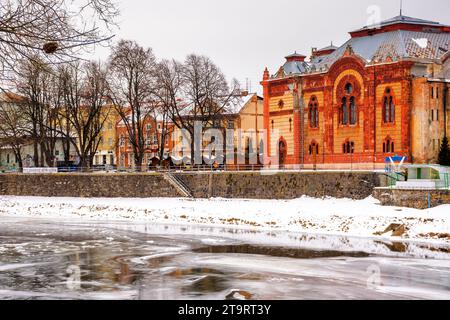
x=361 y=218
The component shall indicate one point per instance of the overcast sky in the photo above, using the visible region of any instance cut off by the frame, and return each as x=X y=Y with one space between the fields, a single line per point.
x=245 y=36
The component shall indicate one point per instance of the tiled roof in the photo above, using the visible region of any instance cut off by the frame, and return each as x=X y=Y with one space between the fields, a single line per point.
x=396 y=45
x=380 y=47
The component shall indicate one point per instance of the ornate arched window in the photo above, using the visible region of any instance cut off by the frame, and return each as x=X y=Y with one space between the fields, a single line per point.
x=388 y=107
x=313 y=148
x=388 y=145
x=313 y=113
x=353 y=113
x=348 y=147
x=348 y=110
x=344 y=111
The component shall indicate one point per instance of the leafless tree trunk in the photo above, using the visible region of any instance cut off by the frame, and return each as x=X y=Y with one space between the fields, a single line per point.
x=195 y=91
x=85 y=89
x=132 y=80
x=35 y=83
x=13 y=128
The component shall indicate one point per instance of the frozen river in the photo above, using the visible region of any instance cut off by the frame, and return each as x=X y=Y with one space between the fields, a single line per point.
x=43 y=259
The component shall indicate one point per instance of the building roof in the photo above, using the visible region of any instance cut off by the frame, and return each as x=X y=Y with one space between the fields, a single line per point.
x=396 y=45
x=331 y=47
x=390 y=45
x=7 y=96
x=400 y=19
x=439 y=168
x=236 y=107
x=295 y=55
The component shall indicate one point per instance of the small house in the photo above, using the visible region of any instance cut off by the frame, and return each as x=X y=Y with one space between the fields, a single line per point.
x=424 y=176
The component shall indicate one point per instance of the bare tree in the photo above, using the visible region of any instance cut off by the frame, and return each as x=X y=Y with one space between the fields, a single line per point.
x=35 y=83
x=54 y=30
x=132 y=81
x=84 y=94
x=195 y=91
x=13 y=127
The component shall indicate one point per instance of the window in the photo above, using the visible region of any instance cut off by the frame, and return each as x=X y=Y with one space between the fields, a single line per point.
x=231 y=124
x=149 y=127
x=348 y=147
x=388 y=107
x=348 y=88
x=388 y=146
x=313 y=148
x=313 y=113
x=110 y=141
x=353 y=115
x=122 y=140
x=281 y=104
x=159 y=126
x=7 y=158
x=344 y=112
x=56 y=152
x=437 y=93
x=432 y=92
x=110 y=125
x=273 y=125
x=348 y=110
x=290 y=125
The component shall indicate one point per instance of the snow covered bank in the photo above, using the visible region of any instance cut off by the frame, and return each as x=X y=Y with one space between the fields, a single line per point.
x=362 y=218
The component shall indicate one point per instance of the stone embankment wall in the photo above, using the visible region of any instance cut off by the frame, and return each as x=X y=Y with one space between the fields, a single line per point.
x=286 y=185
x=418 y=199
x=289 y=185
x=87 y=185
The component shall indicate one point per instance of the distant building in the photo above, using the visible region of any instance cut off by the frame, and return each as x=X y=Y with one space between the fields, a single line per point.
x=155 y=131
x=9 y=161
x=383 y=93
x=245 y=119
x=106 y=152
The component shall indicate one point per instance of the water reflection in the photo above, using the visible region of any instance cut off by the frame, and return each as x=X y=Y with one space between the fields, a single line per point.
x=140 y=261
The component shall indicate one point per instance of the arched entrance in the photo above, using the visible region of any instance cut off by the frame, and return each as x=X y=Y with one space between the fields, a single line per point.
x=282 y=152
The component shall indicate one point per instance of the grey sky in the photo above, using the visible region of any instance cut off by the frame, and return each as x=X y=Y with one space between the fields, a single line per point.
x=245 y=36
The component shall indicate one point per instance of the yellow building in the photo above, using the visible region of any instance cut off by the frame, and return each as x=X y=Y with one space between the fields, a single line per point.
x=106 y=152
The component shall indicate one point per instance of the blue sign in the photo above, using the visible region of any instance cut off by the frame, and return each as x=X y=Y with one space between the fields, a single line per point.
x=396 y=159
